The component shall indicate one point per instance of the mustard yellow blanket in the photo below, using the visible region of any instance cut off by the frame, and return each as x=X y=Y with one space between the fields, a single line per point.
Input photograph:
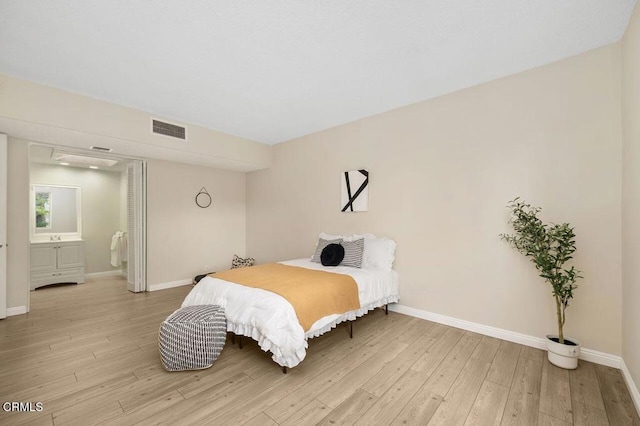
x=313 y=294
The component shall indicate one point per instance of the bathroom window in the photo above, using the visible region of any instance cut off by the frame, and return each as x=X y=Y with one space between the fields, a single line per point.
x=43 y=210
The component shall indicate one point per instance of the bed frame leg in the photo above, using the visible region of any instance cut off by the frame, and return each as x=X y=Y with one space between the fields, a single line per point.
x=386 y=309
x=351 y=329
x=233 y=339
x=284 y=370
x=240 y=342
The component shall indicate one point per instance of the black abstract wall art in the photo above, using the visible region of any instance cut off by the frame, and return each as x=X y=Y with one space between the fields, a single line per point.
x=355 y=191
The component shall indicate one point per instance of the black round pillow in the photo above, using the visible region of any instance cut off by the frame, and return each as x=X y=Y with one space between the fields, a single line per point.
x=332 y=255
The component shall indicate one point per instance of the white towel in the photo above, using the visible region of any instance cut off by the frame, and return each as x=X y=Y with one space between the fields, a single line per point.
x=124 y=255
x=115 y=251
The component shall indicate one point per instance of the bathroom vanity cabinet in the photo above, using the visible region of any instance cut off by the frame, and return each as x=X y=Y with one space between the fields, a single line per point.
x=57 y=262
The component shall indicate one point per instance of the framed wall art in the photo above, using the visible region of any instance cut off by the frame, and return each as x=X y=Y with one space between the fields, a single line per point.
x=355 y=191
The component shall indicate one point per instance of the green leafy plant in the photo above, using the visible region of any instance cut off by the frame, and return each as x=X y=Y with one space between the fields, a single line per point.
x=549 y=246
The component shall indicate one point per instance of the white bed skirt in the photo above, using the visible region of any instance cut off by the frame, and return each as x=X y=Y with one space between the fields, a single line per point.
x=296 y=358
x=270 y=320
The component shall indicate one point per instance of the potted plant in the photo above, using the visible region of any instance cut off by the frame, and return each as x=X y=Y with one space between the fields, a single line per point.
x=549 y=246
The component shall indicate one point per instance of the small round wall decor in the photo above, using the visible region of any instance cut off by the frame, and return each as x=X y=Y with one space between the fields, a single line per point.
x=203 y=199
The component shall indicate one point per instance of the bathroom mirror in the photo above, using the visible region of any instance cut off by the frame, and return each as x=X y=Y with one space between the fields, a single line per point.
x=56 y=212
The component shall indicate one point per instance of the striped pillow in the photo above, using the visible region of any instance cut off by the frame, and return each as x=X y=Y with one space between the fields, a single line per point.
x=353 y=253
x=321 y=245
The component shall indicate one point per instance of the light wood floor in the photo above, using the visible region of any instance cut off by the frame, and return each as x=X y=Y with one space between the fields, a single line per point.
x=89 y=354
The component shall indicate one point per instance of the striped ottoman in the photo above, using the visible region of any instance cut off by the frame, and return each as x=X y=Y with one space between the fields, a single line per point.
x=192 y=337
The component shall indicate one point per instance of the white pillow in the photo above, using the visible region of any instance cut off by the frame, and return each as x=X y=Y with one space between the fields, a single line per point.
x=353 y=237
x=332 y=237
x=379 y=253
x=365 y=236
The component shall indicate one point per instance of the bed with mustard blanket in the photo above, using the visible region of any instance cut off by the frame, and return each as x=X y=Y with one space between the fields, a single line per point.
x=281 y=305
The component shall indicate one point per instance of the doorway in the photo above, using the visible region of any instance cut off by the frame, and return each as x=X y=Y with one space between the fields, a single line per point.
x=112 y=209
x=3 y=225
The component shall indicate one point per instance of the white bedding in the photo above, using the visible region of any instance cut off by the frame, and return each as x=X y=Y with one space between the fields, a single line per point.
x=269 y=319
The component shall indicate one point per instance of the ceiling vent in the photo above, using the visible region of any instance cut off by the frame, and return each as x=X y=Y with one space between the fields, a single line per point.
x=167 y=129
x=101 y=149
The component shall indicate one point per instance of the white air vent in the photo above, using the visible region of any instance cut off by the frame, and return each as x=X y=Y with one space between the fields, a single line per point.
x=101 y=149
x=167 y=129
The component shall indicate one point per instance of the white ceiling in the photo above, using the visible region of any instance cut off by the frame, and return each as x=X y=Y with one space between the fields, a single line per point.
x=275 y=70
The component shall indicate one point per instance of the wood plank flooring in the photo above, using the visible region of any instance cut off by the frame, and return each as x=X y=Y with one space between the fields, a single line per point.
x=89 y=354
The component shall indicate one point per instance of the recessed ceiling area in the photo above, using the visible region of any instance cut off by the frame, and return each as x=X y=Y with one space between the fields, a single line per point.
x=49 y=155
x=273 y=71
x=66 y=158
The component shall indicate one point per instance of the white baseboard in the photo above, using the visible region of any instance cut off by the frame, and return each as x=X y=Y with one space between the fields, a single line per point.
x=633 y=389
x=511 y=336
x=601 y=358
x=171 y=284
x=16 y=310
x=116 y=273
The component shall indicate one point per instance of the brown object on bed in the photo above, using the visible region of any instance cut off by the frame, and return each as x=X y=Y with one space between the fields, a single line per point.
x=313 y=294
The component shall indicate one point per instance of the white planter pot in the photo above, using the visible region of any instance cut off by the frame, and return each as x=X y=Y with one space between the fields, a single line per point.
x=563 y=356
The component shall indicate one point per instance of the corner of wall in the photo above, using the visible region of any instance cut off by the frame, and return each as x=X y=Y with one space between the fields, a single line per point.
x=18 y=232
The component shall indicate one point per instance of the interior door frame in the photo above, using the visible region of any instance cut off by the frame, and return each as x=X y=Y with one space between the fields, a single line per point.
x=142 y=214
x=4 y=186
x=137 y=261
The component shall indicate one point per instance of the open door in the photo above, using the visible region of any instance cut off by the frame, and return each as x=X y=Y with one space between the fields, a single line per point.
x=136 y=224
x=3 y=226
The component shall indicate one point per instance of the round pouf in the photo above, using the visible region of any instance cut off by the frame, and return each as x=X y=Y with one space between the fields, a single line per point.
x=192 y=337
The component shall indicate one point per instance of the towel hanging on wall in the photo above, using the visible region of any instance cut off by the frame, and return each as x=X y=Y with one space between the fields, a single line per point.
x=118 y=248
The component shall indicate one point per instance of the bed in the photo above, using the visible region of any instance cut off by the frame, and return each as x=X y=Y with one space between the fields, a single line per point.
x=271 y=320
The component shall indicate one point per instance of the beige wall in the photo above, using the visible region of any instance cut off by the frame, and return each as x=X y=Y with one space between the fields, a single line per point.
x=631 y=197
x=182 y=238
x=18 y=224
x=441 y=173
x=45 y=114
x=100 y=207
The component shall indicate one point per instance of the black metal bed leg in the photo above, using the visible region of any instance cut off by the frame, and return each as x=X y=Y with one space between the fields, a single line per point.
x=351 y=329
x=240 y=341
x=284 y=370
x=386 y=309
